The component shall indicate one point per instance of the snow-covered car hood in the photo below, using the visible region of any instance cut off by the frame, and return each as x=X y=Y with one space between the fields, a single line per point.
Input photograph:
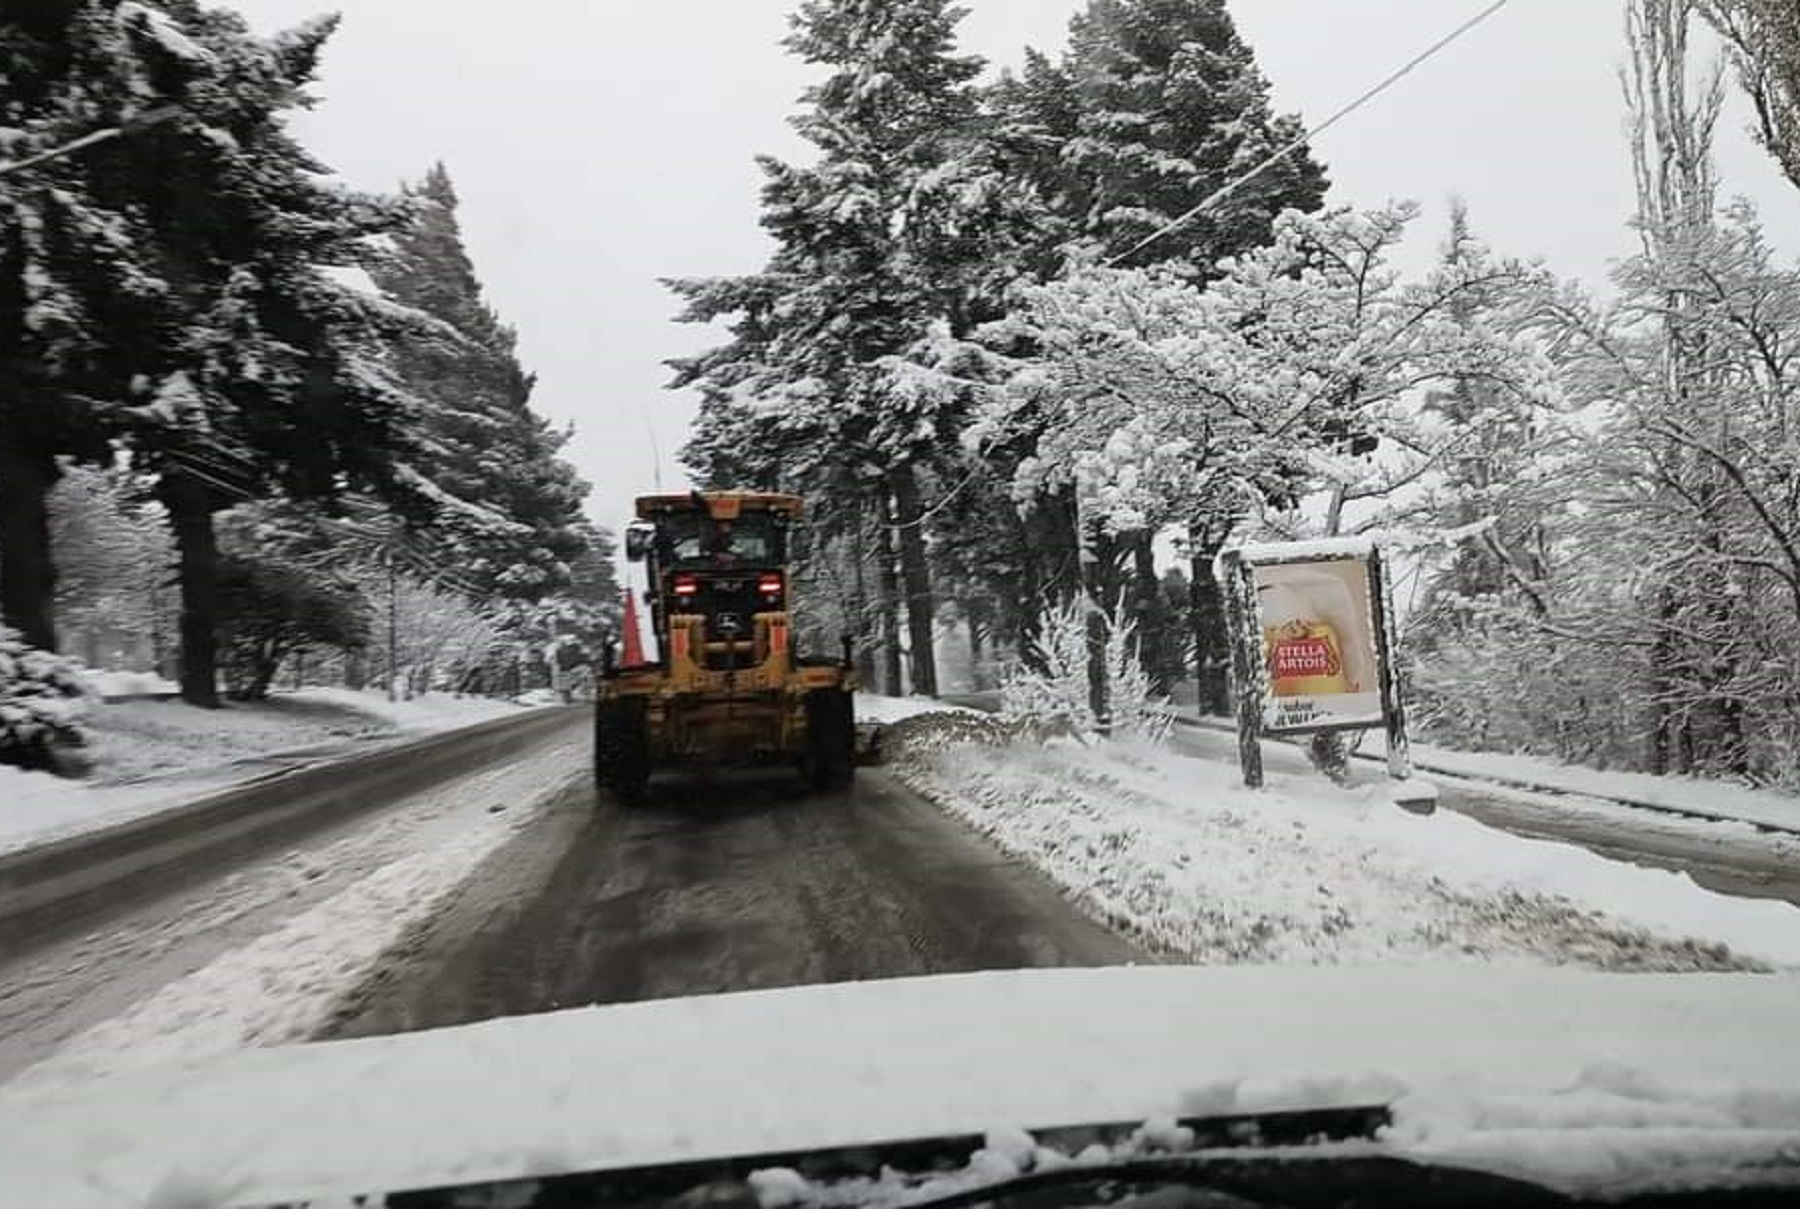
x=1580 y=1078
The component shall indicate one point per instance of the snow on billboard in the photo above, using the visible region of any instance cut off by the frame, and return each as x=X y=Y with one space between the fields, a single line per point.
x=1318 y=645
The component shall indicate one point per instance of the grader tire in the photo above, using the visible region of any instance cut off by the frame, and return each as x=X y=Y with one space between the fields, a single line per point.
x=831 y=739
x=622 y=749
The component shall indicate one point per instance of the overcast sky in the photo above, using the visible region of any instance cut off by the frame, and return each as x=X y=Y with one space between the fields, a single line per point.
x=601 y=144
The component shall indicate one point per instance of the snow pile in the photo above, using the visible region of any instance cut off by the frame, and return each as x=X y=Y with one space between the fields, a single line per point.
x=148 y=756
x=871 y=707
x=130 y=684
x=433 y=711
x=1175 y=851
x=137 y=740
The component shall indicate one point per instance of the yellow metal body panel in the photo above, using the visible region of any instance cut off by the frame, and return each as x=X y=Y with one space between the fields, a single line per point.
x=757 y=707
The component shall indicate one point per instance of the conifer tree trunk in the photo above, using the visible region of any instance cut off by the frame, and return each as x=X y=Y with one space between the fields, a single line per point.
x=863 y=652
x=915 y=572
x=1212 y=644
x=888 y=584
x=27 y=571
x=1149 y=612
x=191 y=506
x=1093 y=588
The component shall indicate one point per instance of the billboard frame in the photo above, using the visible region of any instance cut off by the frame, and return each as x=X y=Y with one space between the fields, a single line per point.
x=1251 y=688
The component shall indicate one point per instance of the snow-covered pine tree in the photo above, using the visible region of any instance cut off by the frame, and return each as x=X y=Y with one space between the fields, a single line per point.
x=509 y=514
x=240 y=367
x=1154 y=106
x=889 y=236
x=77 y=280
x=274 y=377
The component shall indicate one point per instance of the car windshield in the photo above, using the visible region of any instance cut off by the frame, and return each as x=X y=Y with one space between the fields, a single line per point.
x=640 y=584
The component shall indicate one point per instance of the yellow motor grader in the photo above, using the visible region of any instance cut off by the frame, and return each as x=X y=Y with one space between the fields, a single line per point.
x=727 y=686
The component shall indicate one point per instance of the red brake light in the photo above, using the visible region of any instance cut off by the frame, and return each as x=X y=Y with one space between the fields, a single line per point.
x=686 y=585
x=769 y=585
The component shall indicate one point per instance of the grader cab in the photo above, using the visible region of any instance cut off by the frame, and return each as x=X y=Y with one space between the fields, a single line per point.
x=727 y=686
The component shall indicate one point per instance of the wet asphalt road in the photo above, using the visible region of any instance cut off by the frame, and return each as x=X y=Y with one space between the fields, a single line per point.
x=735 y=883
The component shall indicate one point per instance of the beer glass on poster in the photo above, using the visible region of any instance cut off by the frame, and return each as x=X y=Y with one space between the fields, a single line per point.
x=1251 y=687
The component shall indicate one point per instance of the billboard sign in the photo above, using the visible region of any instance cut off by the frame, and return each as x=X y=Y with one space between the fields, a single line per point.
x=1312 y=648
x=1320 y=646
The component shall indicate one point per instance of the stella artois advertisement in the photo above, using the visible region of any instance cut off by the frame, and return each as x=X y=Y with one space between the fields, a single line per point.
x=1318 y=644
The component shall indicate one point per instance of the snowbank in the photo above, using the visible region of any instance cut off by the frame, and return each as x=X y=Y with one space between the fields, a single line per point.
x=151 y=755
x=1175 y=850
x=130 y=684
x=1587 y=1078
x=1715 y=798
x=36 y=807
x=432 y=712
x=871 y=707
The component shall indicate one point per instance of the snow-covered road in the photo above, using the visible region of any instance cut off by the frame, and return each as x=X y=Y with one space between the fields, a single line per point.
x=258 y=953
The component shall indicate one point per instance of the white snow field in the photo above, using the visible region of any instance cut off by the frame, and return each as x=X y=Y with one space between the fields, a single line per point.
x=151 y=755
x=1594 y=1081
x=1173 y=849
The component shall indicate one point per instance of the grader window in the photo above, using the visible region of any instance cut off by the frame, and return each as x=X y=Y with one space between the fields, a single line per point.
x=753 y=539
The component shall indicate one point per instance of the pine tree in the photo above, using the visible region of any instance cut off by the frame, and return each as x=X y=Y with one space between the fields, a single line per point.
x=1155 y=106
x=886 y=238
x=509 y=507
x=240 y=367
x=76 y=282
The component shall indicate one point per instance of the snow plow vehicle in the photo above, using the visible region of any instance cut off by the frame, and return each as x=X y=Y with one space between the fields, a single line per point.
x=727 y=686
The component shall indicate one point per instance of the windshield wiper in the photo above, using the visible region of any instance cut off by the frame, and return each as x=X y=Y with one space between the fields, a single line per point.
x=1294 y=1181
x=1333 y=1179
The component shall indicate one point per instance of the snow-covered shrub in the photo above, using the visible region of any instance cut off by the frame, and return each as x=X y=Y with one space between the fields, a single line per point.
x=1054 y=698
x=42 y=702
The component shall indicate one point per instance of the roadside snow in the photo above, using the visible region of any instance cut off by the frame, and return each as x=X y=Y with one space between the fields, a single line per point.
x=432 y=712
x=871 y=707
x=280 y=987
x=1588 y=1079
x=1716 y=798
x=129 y=684
x=151 y=755
x=1702 y=797
x=1174 y=849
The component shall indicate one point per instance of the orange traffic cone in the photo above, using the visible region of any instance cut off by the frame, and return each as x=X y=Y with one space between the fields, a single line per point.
x=634 y=642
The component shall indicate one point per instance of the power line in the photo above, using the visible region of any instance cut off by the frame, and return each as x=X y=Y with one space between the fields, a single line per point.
x=1300 y=143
